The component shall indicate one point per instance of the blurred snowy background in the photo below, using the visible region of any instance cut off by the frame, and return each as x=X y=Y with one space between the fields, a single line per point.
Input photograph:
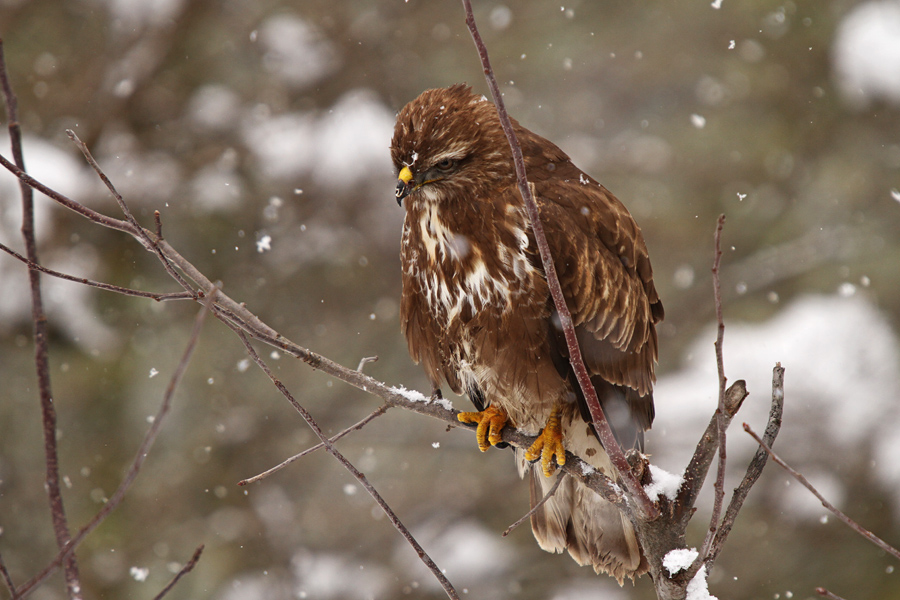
x=260 y=131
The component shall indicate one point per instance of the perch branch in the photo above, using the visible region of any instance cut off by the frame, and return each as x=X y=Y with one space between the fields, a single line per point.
x=644 y=506
x=826 y=594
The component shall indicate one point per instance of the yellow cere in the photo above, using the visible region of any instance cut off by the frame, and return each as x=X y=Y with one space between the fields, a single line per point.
x=405 y=175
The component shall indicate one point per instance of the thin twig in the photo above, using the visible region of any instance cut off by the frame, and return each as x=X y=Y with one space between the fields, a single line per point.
x=366 y=360
x=720 y=410
x=357 y=474
x=143 y=451
x=559 y=477
x=7 y=579
x=187 y=568
x=144 y=234
x=825 y=593
x=828 y=505
x=356 y=427
x=647 y=509
x=41 y=346
x=97 y=284
x=754 y=469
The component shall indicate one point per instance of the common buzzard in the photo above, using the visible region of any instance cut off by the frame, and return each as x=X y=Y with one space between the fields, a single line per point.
x=477 y=313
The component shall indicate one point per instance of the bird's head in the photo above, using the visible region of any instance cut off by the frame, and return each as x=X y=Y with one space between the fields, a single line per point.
x=448 y=142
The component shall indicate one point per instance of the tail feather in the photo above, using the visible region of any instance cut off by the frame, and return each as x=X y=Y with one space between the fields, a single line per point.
x=579 y=520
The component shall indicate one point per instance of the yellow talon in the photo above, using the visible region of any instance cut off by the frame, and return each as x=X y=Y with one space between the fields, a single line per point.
x=549 y=446
x=490 y=422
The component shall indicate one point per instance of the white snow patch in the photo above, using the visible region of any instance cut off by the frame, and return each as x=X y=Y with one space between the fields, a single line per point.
x=866 y=53
x=895 y=194
x=325 y=576
x=416 y=396
x=697 y=588
x=339 y=148
x=214 y=107
x=131 y=14
x=676 y=561
x=264 y=243
x=698 y=121
x=139 y=573
x=663 y=483
x=296 y=50
x=412 y=395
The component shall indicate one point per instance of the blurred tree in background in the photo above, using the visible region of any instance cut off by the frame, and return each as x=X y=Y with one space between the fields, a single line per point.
x=260 y=129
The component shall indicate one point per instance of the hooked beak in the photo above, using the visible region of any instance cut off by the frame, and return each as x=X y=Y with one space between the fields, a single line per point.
x=405 y=184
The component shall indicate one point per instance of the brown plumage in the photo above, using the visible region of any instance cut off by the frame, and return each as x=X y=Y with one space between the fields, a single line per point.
x=477 y=313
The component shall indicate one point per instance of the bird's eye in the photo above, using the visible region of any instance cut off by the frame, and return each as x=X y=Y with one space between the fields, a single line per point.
x=446 y=164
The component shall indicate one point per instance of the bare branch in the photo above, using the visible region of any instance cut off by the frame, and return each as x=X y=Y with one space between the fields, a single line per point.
x=97 y=284
x=617 y=457
x=720 y=410
x=356 y=427
x=187 y=568
x=559 y=477
x=754 y=469
x=41 y=347
x=695 y=473
x=144 y=234
x=360 y=477
x=828 y=505
x=132 y=473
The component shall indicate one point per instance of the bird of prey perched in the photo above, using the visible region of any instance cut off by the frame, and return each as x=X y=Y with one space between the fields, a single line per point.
x=477 y=313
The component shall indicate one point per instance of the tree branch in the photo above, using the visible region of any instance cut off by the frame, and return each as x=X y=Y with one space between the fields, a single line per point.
x=642 y=503
x=7 y=579
x=360 y=477
x=720 y=410
x=356 y=427
x=754 y=469
x=187 y=568
x=828 y=505
x=137 y=463
x=559 y=478
x=41 y=348
x=98 y=284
